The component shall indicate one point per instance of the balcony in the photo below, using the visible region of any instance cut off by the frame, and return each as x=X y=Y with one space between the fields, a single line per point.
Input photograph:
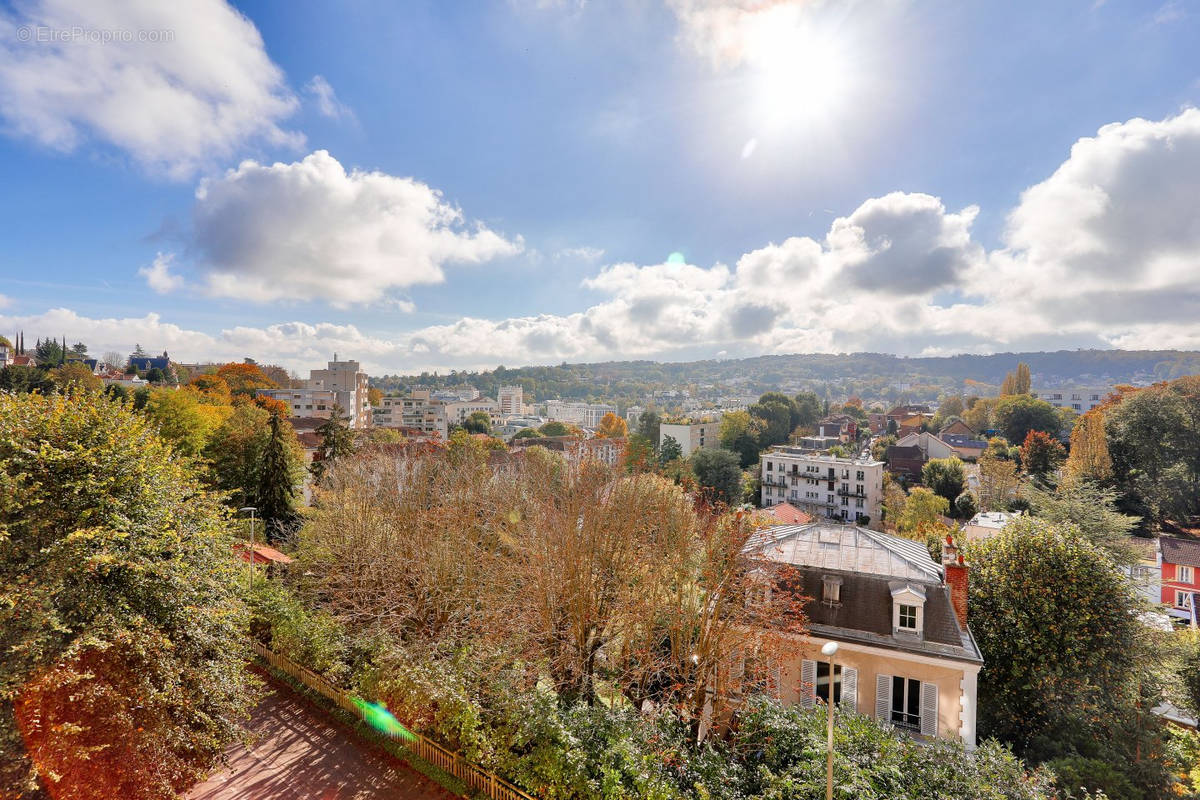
x=851 y=493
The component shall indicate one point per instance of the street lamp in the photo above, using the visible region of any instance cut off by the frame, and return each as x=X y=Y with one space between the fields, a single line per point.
x=830 y=649
x=252 y=510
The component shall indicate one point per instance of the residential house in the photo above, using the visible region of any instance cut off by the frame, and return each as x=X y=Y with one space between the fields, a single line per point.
x=965 y=447
x=825 y=486
x=986 y=524
x=905 y=652
x=787 y=514
x=1180 y=563
x=147 y=363
x=905 y=462
x=877 y=423
x=957 y=427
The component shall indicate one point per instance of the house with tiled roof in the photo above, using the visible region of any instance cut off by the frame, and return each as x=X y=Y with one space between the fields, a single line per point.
x=1180 y=563
x=787 y=514
x=905 y=652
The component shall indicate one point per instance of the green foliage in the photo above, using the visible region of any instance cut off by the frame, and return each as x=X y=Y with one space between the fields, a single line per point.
x=310 y=637
x=776 y=416
x=25 y=379
x=554 y=428
x=945 y=477
x=478 y=422
x=1067 y=663
x=669 y=450
x=119 y=623
x=719 y=472
x=741 y=433
x=337 y=441
x=1018 y=414
x=1090 y=508
x=276 y=491
x=965 y=506
x=647 y=426
x=527 y=433
x=48 y=353
x=1077 y=775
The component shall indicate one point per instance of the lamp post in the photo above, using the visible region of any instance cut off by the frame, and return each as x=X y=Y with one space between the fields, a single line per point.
x=252 y=510
x=830 y=649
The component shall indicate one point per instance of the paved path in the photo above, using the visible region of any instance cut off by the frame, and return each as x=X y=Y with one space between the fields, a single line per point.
x=296 y=754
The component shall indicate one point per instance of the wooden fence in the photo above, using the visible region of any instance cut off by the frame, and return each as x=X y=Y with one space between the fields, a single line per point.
x=473 y=775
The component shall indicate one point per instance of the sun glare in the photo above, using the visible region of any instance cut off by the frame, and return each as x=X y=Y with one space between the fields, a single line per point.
x=799 y=73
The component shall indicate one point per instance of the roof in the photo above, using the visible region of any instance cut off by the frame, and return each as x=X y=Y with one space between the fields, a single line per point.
x=992 y=519
x=831 y=545
x=156 y=362
x=263 y=554
x=962 y=440
x=864 y=614
x=789 y=514
x=1180 y=551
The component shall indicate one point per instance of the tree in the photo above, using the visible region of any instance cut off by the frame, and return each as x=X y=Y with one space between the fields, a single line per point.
x=1017 y=382
x=638 y=455
x=998 y=482
x=138 y=352
x=951 y=406
x=48 y=353
x=776 y=414
x=1065 y=654
x=120 y=625
x=478 y=422
x=156 y=375
x=75 y=373
x=669 y=451
x=276 y=495
x=527 y=433
x=79 y=350
x=740 y=433
x=1017 y=415
x=719 y=474
x=25 y=380
x=237 y=449
x=922 y=513
x=945 y=477
x=647 y=427
x=113 y=359
x=808 y=409
x=374 y=397
x=1041 y=454
x=183 y=420
x=978 y=416
x=555 y=428
x=244 y=379
x=1089 y=458
x=337 y=441
x=612 y=427
x=1092 y=509
x=212 y=389
x=965 y=506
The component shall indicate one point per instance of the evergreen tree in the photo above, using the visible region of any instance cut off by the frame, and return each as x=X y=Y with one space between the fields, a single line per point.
x=276 y=491
x=337 y=440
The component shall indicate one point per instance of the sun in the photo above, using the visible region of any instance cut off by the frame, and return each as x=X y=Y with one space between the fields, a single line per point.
x=797 y=72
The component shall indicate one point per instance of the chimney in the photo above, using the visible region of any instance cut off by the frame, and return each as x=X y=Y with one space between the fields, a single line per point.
x=955 y=570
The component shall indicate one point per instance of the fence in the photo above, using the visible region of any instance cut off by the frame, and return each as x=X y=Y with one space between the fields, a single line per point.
x=473 y=775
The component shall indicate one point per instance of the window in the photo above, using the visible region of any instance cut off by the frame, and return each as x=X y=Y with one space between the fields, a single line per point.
x=770 y=466
x=908 y=617
x=860 y=476
x=832 y=589
x=1183 y=599
x=906 y=702
x=821 y=685
x=1185 y=574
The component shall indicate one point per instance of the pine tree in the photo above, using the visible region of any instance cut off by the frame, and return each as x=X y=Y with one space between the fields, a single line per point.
x=276 y=492
x=337 y=440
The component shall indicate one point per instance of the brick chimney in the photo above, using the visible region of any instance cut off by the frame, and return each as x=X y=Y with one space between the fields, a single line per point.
x=955 y=570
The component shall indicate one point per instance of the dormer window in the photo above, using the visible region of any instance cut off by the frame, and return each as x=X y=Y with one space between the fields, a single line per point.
x=908 y=608
x=831 y=593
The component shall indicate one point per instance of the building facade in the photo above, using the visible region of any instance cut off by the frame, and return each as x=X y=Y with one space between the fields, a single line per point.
x=1180 y=568
x=826 y=486
x=585 y=415
x=341 y=383
x=1081 y=399
x=691 y=436
x=511 y=401
x=905 y=654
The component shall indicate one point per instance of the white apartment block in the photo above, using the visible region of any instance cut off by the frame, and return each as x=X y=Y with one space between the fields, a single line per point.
x=849 y=489
x=417 y=410
x=691 y=436
x=585 y=415
x=1080 y=398
x=511 y=401
x=341 y=383
x=457 y=413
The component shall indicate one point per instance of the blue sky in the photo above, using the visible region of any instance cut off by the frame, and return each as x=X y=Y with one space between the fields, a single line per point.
x=436 y=185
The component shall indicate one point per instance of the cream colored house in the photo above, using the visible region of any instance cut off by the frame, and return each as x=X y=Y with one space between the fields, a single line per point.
x=905 y=654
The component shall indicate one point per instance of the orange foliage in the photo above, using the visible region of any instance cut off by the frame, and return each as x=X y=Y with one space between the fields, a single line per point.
x=245 y=378
x=273 y=405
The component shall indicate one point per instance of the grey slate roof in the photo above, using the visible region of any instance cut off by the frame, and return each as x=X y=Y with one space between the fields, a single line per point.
x=1180 y=551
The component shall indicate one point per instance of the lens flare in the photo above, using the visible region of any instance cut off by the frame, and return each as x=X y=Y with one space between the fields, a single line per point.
x=379 y=718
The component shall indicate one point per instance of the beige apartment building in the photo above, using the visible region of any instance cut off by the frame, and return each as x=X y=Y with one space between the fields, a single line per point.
x=692 y=436
x=905 y=653
x=510 y=401
x=341 y=383
x=826 y=486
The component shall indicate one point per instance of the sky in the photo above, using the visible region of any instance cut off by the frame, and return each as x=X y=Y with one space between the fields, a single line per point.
x=436 y=185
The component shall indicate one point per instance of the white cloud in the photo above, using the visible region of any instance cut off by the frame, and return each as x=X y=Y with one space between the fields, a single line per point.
x=585 y=253
x=5 y=302
x=326 y=99
x=309 y=230
x=159 y=276
x=176 y=85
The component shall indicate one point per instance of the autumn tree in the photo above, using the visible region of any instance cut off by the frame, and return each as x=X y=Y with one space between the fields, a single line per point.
x=182 y=419
x=998 y=483
x=923 y=510
x=554 y=428
x=612 y=427
x=75 y=373
x=1089 y=458
x=740 y=433
x=375 y=397
x=237 y=453
x=213 y=390
x=124 y=662
x=639 y=454
x=951 y=406
x=1041 y=454
x=1017 y=382
x=244 y=379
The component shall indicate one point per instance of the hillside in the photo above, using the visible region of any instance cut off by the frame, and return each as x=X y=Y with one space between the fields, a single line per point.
x=869 y=375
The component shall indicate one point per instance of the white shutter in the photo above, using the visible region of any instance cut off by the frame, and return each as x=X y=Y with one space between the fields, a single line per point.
x=883 y=698
x=849 y=689
x=808 y=682
x=929 y=709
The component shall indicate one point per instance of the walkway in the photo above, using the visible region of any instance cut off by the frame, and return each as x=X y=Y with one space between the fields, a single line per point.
x=295 y=754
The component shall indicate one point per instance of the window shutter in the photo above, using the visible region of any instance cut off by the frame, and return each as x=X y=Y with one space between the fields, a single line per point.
x=883 y=698
x=808 y=681
x=849 y=689
x=929 y=709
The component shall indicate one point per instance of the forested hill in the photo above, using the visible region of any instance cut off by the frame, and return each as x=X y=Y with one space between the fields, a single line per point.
x=865 y=374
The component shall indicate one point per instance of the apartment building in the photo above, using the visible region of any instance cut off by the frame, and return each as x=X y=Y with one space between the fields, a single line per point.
x=585 y=415
x=826 y=486
x=511 y=401
x=416 y=410
x=458 y=411
x=692 y=436
x=341 y=383
x=1082 y=399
